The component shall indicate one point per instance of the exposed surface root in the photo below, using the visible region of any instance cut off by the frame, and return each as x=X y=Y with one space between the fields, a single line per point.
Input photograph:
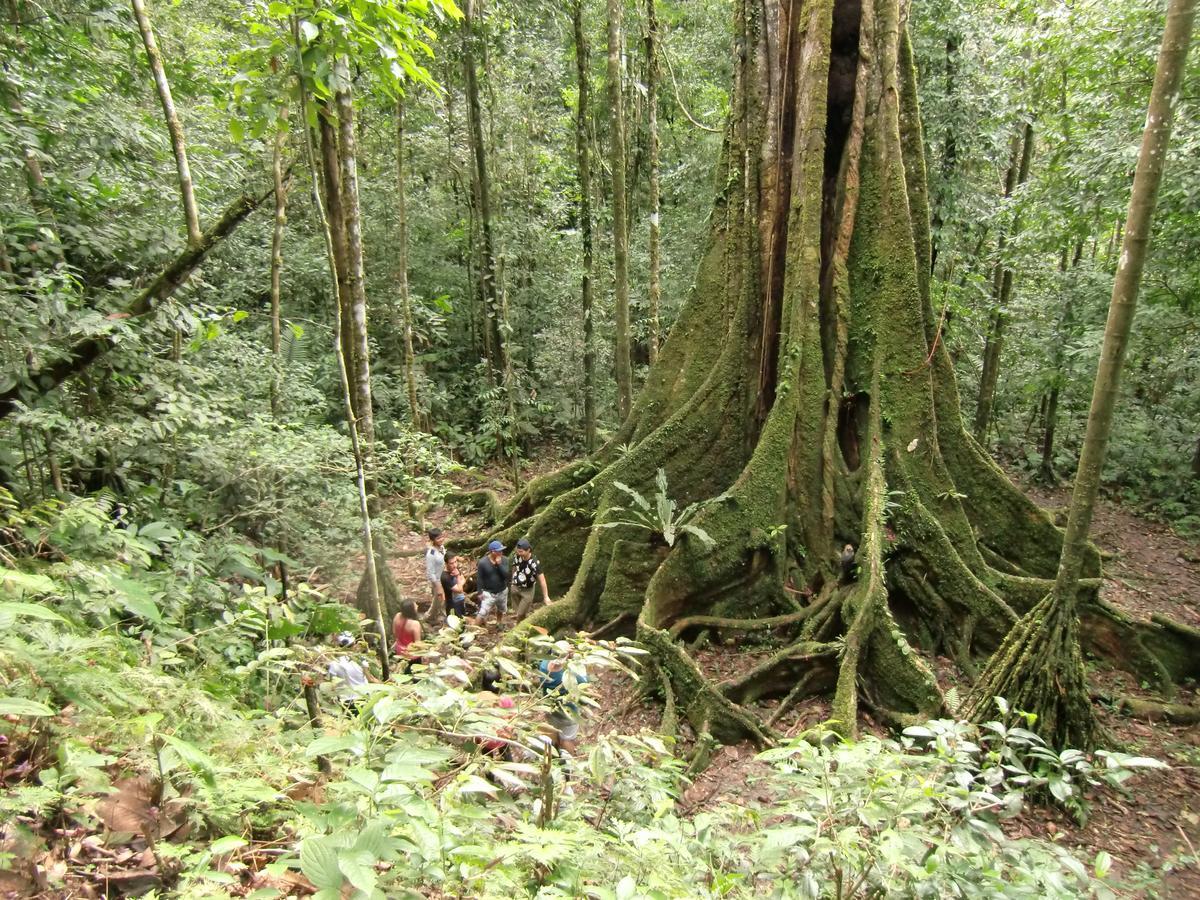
x=812 y=664
x=1175 y=713
x=484 y=499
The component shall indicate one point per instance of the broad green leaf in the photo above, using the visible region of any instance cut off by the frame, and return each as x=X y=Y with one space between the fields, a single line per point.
x=359 y=868
x=319 y=863
x=476 y=785
x=19 y=706
x=13 y=580
x=333 y=743
x=29 y=611
x=227 y=844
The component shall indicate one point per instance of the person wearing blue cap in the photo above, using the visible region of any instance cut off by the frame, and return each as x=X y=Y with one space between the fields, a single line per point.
x=491 y=580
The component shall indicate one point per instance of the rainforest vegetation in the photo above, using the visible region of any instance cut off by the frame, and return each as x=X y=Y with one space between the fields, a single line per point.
x=835 y=363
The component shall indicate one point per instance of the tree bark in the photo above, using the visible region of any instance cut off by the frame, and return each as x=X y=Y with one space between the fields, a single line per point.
x=174 y=126
x=652 y=128
x=1040 y=666
x=280 y=191
x=355 y=272
x=410 y=376
x=83 y=353
x=584 y=173
x=1002 y=283
x=482 y=191
x=616 y=102
x=335 y=209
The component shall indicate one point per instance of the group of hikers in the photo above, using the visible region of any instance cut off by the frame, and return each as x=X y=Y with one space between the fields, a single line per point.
x=496 y=579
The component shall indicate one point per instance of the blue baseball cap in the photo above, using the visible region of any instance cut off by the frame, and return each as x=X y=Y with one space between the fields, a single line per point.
x=495 y=547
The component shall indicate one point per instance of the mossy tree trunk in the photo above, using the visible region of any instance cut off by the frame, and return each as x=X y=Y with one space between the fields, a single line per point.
x=1040 y=667
x=620 y=223
x=583 y=165
x=806 y=384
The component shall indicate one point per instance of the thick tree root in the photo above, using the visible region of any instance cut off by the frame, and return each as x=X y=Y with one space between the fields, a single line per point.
x=802 y=662
x=724 y=623
x=1161 y=652
x=1175 y=713
x=700 y=701
x=484 y=500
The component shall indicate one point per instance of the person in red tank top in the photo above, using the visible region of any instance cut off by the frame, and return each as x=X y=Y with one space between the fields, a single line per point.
x=406 y=630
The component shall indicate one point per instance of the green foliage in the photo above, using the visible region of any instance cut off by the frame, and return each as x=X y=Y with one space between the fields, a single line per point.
x=413 y=804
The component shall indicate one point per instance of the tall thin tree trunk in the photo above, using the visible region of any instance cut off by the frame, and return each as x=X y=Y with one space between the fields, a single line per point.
x=1039 y=667
x=482 y=189
x=652 y=127
x=56 y=478
x=174 y=126
x=949 y=155
x=335 y=207
x=277 y=258
x=616 y=100
x=1123 y=305
x=1050 y=421
x=1002 y=284
x=371 y=579
x=355 y=273
x=584 y=170
x=410 y=376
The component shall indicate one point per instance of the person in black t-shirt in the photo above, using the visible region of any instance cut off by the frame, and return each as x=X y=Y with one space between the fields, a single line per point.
x=452 y=587
x=491 y=578
x=526 y=577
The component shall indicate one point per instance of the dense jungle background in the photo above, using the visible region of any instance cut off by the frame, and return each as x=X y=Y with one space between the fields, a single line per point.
x=284 y=284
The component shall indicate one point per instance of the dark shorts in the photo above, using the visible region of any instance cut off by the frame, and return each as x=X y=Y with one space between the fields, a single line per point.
x=457 y=605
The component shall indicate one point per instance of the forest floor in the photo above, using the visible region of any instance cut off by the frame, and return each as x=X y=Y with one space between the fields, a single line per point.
x=1152 y=830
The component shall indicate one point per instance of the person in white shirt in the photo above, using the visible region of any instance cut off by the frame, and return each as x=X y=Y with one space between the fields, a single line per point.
x=435 y=564
x=348 y=675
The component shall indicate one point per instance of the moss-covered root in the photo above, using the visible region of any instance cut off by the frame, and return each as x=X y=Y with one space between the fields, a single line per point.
x=1162 y=652
x=1175 y=713
x=802 y=662
x=1039 y=670
x=696 y=697
x=485 y=500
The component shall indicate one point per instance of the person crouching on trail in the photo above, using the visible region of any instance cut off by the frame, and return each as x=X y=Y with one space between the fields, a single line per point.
x=435 y=564
x=491 y=579
x=406 y=631
x=453 y=587
x=347 y=674
x=527 y=576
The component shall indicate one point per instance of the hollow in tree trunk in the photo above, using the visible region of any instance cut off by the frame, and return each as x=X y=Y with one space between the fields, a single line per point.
x=802 y=385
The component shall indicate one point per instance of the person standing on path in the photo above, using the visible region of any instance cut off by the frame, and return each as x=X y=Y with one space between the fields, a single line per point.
x=527 y=576
x=435 y=564
x=453 y=587
x=491 y=579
